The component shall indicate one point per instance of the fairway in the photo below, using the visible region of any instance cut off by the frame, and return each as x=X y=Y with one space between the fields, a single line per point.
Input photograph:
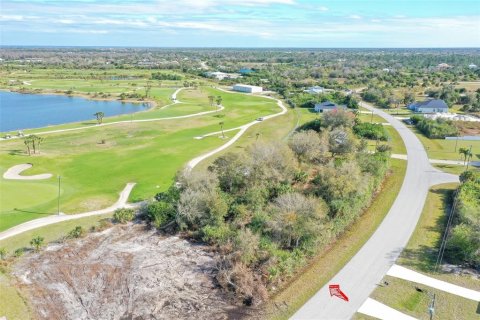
x=95 y=163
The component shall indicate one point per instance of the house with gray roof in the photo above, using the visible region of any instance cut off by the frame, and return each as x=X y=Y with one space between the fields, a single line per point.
x=328 y=106
x=429 y=106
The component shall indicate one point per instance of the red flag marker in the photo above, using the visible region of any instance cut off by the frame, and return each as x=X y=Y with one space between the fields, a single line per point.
x=335 y=291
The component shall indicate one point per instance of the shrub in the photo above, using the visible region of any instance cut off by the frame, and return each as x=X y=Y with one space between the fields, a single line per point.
x=3 y=253
x=435 y=129
x=37 y=242
x=159 y=213
x=373 y=131
x=19 y=252
x=123 y=215
x=76 y=232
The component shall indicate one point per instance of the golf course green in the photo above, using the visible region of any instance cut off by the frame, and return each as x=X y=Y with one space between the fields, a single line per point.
x=96 y=162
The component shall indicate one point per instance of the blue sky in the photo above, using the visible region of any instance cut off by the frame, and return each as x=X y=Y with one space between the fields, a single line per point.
x=241 y=23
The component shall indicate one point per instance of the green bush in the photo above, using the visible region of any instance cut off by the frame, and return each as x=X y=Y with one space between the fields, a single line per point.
x=76 y=232
x=463 y=245
x=159 y=213
x=19 y=252
x=435 y=129
x=123 y=215
x=371 y=131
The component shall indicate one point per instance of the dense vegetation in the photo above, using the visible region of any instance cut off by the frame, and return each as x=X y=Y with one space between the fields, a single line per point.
x=463 y=245
x=269 y=209
x=435 y=129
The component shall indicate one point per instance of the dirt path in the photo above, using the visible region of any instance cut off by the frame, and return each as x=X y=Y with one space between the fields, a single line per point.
x=13 y=173
x=123 y=272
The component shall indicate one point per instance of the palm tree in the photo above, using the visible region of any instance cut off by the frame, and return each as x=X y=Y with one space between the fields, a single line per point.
x=37 y=242
x=28 y=141
x=99 y=116
x=35 y=142
x=211 y=98
x=221 y=126
x=466 y=153
x=219 y=101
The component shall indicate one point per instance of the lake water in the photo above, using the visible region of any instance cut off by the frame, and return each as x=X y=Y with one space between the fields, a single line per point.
x=24 y=111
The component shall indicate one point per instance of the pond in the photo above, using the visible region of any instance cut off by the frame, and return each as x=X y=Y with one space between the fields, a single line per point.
x=20 y=111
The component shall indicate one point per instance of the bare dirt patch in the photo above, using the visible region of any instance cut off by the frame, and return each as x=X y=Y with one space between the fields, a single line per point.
x=468 y=128
x=123 y=273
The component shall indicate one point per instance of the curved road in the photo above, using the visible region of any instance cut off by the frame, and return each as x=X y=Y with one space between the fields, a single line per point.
x=360 y=276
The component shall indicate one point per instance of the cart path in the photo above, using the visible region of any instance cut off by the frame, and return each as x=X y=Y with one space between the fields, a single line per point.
x=41 y=222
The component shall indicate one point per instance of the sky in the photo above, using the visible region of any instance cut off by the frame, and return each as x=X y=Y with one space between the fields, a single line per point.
x=241 y=23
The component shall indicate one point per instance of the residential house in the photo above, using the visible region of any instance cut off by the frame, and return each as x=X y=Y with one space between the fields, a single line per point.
x=429 y=106
x=317 y=90
x=328 y=106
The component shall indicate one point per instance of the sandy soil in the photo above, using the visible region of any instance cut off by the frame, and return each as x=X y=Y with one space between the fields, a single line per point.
x=124 y=272
x=14 y=173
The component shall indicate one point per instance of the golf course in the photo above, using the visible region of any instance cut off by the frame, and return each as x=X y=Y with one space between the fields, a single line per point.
x=95 y=162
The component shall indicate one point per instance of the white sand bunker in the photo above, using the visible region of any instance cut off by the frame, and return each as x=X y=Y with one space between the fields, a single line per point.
x=14 y=173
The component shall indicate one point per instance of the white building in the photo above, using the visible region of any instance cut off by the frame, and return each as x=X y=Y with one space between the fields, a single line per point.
x=222 y=75
x=472 y=66
x=317 y=90
x=247 y=88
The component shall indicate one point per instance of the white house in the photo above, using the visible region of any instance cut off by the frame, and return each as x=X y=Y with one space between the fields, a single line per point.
x=429 y=106
x=247 y=88
x=328 y=106
x=472 y=66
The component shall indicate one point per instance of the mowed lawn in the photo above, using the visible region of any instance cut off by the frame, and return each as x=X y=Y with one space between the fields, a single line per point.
x=93 y=173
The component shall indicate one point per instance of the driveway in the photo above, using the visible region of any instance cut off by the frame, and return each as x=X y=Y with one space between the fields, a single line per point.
x=364 y=271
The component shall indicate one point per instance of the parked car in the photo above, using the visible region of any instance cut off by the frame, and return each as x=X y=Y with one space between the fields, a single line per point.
x=260 y=119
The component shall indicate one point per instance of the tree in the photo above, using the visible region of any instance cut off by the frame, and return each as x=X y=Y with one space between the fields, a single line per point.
x=37 y=242
x=309 y=146
x=148 y=87
x=28 y=142
x=99 y=115
x=211 y=99
x=36 y=141
x=219 y=100
x=466 y=154
x=296 y=219
x=337 y=118
x=221 y=123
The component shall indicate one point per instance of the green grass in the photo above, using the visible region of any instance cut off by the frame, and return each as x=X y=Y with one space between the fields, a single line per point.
x=402 y=296
x=454 y=169
x=445 y=149
x=324 y=266
x=421 y=252
x=148 y=153
x=12 y=304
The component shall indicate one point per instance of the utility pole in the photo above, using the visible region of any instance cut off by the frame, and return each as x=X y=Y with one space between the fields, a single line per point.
x=371 y=118
x=456 y=141
x=58 y=198
x=431 y=308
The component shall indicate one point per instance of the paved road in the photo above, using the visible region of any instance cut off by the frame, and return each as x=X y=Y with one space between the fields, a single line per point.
x=359 y=276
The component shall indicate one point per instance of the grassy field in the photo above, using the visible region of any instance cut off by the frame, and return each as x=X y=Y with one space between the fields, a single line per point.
x=445 y=149
x=330 y=261
x=93 y=173
x=403 y=296
x=421 y=252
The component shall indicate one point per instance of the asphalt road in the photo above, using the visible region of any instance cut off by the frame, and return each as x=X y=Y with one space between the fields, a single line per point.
x=360 y=276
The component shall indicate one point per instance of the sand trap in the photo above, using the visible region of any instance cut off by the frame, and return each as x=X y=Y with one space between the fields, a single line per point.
x=14 y=173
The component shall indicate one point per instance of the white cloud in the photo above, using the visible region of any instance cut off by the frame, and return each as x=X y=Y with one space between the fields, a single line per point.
x=322 y=8
x=355 y=17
